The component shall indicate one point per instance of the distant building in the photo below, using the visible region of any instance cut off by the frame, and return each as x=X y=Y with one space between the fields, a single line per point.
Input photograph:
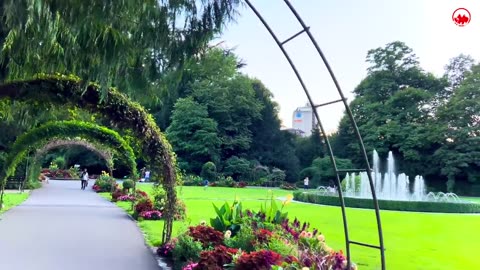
x=304 y=120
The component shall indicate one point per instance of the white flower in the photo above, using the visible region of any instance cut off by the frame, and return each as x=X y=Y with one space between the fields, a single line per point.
x=228 y=233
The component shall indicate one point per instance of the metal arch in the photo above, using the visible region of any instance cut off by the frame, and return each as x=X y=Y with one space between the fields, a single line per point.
x=306 y=29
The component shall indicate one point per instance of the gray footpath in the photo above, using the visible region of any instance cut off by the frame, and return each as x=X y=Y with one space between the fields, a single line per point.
x=63 y=227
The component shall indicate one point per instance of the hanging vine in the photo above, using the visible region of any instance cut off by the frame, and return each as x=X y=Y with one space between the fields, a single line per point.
x=123 y=114
x=96 y=148
x=38 y=137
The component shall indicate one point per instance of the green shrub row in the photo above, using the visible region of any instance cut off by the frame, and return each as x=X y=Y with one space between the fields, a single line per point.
x=415 y=206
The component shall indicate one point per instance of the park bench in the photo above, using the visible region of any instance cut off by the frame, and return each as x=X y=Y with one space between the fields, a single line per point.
x=15 y=183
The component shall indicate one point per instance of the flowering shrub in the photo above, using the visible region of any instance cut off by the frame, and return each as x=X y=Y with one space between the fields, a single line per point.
x=180 y=210
x=190 y=266
x=96 y=188
x=208 y=236
x=166 y=249
x=242 y=184
x=143 y=205
x=151 y=215
x=116 y=194
x=104 y=183
x=215 y=259
x=139 y=194
x=258 y=260
x=126 y=198
x=288 y=186
x=57 y=173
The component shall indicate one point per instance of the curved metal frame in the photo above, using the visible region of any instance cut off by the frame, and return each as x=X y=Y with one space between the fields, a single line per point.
x=306 y=29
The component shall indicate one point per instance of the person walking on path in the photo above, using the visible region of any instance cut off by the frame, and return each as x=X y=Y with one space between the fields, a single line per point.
x=84 y=177
x=305 y=183
x=147 y=175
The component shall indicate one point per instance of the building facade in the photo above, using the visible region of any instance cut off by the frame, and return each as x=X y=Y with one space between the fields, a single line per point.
x=303 y=119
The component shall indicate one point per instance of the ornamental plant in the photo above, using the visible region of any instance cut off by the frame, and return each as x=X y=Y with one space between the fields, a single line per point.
x=215 y=259
x=258 y=260
x=151 y=215
x=206 y=235
x=126 y=198
x=228 y=217
x=143 y=205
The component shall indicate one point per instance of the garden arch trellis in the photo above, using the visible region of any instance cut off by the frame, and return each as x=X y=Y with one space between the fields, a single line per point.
x=122 y=112
x=105 y=154
x=38 y=137
x=305 y=29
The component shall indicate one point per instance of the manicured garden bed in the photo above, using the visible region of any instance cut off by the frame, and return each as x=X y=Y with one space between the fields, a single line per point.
x=414 y=206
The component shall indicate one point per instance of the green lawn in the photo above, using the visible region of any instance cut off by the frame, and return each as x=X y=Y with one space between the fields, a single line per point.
x=12 y=199
x=413 y=240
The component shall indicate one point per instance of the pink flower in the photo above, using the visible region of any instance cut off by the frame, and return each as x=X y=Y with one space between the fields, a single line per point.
x=190 y=266
x=153 y=214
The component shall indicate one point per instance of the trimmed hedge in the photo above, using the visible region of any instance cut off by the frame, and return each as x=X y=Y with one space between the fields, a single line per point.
x=415 y=206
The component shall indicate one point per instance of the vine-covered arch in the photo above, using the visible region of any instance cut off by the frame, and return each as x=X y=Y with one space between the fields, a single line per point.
x=40 y=136
x=122 y=112
x=104 y=154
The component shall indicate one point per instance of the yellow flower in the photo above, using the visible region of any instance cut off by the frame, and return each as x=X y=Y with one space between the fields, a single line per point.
x=288 y=199
x=305 y=268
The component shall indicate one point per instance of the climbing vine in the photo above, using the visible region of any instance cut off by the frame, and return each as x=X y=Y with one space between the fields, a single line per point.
x=40 y=136
x=122 y=112
x=96 y=148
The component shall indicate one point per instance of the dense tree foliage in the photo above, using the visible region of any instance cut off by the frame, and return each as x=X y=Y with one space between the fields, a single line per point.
x=128 y=44
x=194 y=135
x=247 y=128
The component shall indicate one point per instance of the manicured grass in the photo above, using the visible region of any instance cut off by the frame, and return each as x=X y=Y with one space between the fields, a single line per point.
x=413 y=240
x=12 y=199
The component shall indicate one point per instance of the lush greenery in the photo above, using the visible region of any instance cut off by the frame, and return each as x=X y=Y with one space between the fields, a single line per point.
x=128 y=44
x=119 y=110
x=39 y=136
x=216 y=114
x=399 y=228
x=439 y=207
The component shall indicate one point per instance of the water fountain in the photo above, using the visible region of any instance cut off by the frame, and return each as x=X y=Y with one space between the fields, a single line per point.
x=388 y=186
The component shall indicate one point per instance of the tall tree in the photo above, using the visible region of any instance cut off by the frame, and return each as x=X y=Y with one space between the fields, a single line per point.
x=459 y=155
x=271 y=146
x=193 y=135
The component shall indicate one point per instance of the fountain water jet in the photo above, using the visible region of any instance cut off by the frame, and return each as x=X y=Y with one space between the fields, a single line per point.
x=388 y=186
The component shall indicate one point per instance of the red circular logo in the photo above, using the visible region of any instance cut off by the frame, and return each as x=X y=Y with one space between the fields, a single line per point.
x=461 y=16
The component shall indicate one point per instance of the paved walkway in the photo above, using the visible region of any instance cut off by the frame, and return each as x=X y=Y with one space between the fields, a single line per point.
x=61 y=227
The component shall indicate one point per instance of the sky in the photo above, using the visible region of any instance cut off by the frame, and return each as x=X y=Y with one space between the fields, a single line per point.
x=345 y=31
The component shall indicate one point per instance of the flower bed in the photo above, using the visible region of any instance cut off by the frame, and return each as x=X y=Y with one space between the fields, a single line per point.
x=245 y=239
